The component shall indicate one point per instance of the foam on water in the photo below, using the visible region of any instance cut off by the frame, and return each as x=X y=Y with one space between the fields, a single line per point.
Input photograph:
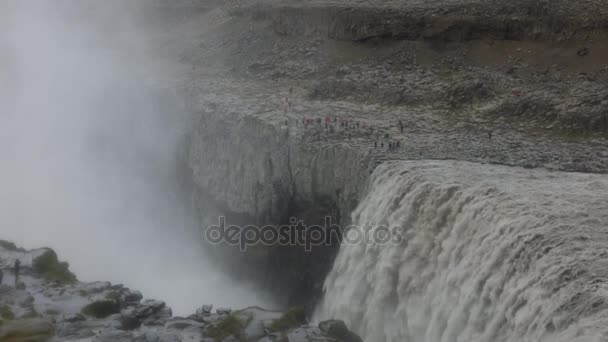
x=489 y=253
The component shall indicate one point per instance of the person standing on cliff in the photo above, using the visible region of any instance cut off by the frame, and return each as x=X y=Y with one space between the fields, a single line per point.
x=401 y=126
x=16 y=269
x=1 y=276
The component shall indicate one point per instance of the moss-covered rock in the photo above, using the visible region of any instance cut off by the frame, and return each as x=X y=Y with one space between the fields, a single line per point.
x=49 y=266
x=101 y=309
x=229 y=326
x=292 y=318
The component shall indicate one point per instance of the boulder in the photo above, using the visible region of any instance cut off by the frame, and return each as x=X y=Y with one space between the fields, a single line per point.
x=129 y=297
x=205 y=310
x=149 y=312
x=74 y=317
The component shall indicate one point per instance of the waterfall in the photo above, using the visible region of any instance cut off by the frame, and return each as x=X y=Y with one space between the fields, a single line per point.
x=486 y=253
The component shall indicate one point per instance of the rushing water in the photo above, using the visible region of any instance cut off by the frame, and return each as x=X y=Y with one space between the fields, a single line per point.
x=489 y=253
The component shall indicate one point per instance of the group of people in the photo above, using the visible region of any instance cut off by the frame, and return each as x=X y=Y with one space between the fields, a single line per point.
x=16 y=270
x=392 y=146
x=331 y=124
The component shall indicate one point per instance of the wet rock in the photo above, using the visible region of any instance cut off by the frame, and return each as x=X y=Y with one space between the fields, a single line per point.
x=130 y=297
x=159 y=317
x=128 y=322
x=338 y=329
x=204 y=311
x=74 y=317
x=101 y=308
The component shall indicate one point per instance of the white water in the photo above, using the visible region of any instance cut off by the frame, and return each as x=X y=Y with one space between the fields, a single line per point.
x=490 y=254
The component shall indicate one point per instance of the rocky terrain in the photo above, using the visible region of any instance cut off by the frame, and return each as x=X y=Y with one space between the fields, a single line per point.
x=49 y=304
x=518 y=83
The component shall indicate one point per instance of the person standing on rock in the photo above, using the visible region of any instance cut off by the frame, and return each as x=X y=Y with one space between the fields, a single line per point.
x=16 y=269
x=490 y=135
x=400 y=126
x=1 y=276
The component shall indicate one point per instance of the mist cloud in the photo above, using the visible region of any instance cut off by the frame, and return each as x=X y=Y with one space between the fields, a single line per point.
x=90 y=130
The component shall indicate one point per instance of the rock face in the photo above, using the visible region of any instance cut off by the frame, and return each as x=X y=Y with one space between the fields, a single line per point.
x=54 y=311
x=256 y=173
x=255 y=168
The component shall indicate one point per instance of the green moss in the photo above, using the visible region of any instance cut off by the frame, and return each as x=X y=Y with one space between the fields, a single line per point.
x=6 y=313
x=229 y=326
x=49 y=266
x=10 y=246
x=292 y=318
x=101 y=309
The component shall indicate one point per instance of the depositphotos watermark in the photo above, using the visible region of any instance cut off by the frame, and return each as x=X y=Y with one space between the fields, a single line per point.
x=298 y=234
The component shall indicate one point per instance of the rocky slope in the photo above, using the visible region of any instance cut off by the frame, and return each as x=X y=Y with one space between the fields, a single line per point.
x=49 y=304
